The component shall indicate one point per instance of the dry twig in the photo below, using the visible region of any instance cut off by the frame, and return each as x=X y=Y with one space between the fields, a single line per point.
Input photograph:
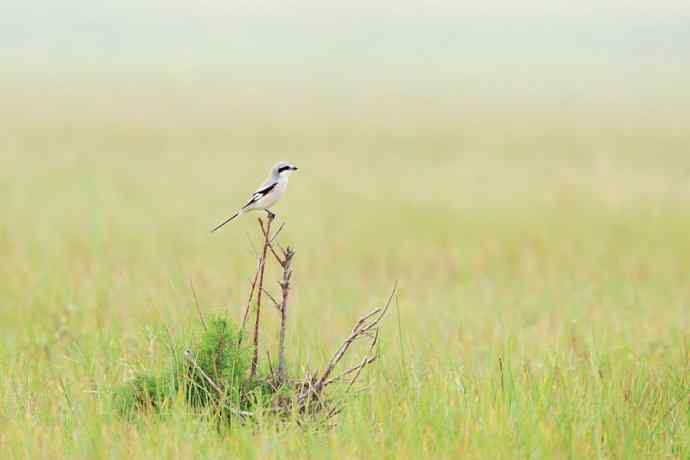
x=285 y=290
x=362 y=328
x=267 y=241
x=366 y=326
x=309 y=391
x=368 y=358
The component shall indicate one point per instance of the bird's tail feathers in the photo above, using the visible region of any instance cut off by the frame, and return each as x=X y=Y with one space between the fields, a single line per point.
x=228 y=220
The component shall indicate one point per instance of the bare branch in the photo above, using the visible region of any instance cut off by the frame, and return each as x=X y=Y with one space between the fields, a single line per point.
x=342 y=376
x=365 y=325
x=285 y=291
x=266 y=231
x=367 y=359
x=269 y=241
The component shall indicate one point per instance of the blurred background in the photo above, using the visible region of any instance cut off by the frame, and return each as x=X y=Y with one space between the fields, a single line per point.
x=129 y=129
x=163 y=62
x=522 y=169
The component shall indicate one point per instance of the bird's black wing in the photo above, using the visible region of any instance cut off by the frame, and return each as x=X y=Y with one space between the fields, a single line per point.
x=262 y=192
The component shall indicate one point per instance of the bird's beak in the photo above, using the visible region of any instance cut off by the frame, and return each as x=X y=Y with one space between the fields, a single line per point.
x=294 y=168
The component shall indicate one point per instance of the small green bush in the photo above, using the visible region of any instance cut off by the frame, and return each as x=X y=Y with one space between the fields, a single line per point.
x=215 y=355
x=220 y=358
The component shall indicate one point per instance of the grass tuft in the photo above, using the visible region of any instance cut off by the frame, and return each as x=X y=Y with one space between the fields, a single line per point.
x=212 y=376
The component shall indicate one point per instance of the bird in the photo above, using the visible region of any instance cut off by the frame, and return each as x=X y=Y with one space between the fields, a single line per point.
x=268 y=193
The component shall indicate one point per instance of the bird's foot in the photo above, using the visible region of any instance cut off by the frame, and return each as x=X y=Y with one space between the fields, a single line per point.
x=270 y=215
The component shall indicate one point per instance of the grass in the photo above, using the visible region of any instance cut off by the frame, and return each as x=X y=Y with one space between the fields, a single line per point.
x=543 y=262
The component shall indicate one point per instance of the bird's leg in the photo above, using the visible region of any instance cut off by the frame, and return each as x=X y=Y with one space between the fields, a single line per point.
x=271 y=216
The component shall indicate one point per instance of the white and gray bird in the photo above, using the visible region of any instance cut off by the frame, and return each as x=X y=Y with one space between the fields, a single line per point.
x=268 y=193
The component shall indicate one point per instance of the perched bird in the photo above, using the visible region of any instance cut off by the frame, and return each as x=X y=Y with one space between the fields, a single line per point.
x=268 y=193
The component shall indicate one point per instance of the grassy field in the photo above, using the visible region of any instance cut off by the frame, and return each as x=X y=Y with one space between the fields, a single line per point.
x=554 y=241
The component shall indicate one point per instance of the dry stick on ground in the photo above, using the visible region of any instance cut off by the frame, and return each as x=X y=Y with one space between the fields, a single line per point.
x=365 y=327
x=267 y=241
x=285 y=289
x=368 y=358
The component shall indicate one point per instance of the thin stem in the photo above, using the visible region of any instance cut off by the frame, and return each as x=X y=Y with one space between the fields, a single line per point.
x=269 y=240
x=266 y=231
x=198 y=308
x=285 y=289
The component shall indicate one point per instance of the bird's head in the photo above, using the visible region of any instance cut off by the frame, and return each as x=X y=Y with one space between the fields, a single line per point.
x=283 y=169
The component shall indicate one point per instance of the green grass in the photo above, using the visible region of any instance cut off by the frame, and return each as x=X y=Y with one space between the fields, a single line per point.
x=543 y=264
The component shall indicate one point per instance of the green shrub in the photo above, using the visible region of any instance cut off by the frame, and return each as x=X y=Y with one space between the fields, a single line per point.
x=215 y=355
x=218 y=355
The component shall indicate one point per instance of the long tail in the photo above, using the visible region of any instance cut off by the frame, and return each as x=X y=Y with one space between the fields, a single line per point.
x=228 y=220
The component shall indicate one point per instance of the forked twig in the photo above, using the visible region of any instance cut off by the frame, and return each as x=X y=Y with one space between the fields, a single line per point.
x=366 y=362
x=364 y=326
x=367 y=359
x=310 y=397
x=268 y=240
